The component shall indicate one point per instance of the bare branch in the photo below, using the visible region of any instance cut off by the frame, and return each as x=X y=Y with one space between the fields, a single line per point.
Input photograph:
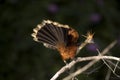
x=80 y=59
x=89 y=39
x=63 y=69
x=113 y=70
x=92 y=62
x=116 y=66
x=110 y=62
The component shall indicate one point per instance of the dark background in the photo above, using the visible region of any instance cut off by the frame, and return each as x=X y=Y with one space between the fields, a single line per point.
x=21 y=58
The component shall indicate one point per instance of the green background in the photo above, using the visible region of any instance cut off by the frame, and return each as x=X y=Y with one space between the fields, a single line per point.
x=21 y=58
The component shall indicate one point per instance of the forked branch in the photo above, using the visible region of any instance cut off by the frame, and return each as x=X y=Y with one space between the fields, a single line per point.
x=81 y=59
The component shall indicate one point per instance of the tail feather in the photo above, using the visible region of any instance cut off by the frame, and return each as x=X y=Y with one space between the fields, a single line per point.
x=51 y=33
x=58 y=32
x=52 y=30
x=46 y=38
x=43 y=34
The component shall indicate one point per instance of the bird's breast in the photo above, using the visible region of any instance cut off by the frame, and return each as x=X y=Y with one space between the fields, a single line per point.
x=67 y=52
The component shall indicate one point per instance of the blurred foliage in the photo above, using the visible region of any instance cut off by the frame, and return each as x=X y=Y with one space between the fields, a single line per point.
x=21 y=58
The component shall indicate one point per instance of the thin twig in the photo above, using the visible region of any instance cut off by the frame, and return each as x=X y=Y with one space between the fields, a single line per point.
x=88 y=40
x=113 y=70
x=94 y=70
x=110 y=62
x=116 y=66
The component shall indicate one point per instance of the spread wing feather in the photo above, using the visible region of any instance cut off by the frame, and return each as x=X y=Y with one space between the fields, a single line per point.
x=51 y=33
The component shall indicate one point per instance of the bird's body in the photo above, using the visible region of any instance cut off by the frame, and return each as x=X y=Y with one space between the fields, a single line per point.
x=68 y=52
x=57 y=36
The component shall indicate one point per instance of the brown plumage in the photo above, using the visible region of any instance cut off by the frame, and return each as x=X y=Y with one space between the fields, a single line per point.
x=57 y=36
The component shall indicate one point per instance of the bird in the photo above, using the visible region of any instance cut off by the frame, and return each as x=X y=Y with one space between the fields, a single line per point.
x=56 y=36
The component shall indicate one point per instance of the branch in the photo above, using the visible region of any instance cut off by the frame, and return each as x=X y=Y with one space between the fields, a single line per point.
x=89 y=39
x=92 y=62
x=95 y=59
x=80 y=59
